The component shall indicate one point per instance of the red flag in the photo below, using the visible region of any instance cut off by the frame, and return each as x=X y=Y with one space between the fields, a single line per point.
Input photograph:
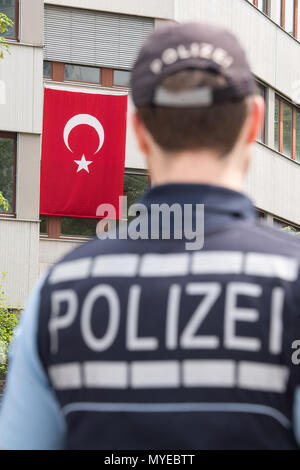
x=83 y=152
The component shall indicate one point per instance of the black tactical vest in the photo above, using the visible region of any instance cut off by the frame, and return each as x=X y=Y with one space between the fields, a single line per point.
x=148 y=345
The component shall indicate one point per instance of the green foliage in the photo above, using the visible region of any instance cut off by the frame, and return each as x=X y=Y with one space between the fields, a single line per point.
x=8 y=323
x=5 y=24
x=6 y=173
x=3 y=203
x=290 y=230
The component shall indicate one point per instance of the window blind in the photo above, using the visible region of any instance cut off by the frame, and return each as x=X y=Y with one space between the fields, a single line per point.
x=93 y=38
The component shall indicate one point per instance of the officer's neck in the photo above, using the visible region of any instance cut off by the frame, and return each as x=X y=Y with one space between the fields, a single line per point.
x=196 y=167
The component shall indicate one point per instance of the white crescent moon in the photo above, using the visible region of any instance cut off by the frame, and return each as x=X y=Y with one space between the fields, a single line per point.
x=83 y=119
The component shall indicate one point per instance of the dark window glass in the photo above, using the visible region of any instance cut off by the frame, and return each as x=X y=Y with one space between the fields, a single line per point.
x=7 y=159
x=279 y=223
x=77 y=226
x=260 y=90
x=47 y=69
x=8 y=7
x=122 y=77
x=260 y=214
x=43 y=224
x=134 y=187
x=298 y=136
x=287 y=129
x=286 y=226
x=276 y=124
x=82 y=73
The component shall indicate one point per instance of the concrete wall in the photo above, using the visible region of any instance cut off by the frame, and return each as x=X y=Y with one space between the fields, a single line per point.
x=19 y=248
x=28 y=176
x=133 y=157
x=22 y=73
x=31 y=24
x=273 y=183
x=153 y=8
x=51 y=251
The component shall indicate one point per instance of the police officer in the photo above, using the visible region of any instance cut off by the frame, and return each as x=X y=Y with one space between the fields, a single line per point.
x=159 y=341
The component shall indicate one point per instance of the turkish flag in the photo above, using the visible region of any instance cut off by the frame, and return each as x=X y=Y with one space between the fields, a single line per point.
x=83 y=152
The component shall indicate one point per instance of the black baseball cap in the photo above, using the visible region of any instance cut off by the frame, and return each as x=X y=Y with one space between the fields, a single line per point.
x=174 y=47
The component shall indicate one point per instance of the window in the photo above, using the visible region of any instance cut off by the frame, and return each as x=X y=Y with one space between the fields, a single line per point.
x=260 y=215
x=261 y=91
x=103 y=76
x=47 y=69
x=82 y=73
x=122 y=77
x=43 y=224
x=262 y=5
x=287 y=226
x=75 y=226
x=278 y=12
x=286 y=128
x=8 y=144
x=94 y=38
x=288 y=16
x=135 y=184
x=11 y=9
x=298 y=136
x=276 y=124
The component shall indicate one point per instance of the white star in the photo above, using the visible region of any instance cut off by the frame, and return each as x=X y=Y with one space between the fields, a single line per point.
x=83 y=164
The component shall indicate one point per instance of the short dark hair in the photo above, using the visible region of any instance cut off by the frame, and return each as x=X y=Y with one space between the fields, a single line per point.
x=216 y=127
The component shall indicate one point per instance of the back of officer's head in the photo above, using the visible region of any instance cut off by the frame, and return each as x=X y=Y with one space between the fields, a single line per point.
x=193 y=89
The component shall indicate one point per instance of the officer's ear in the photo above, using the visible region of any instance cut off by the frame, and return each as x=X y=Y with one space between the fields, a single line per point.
x=256 y=118
x=141 y=133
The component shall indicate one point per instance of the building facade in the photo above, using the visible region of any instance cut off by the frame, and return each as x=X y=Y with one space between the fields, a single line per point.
x=92 y=44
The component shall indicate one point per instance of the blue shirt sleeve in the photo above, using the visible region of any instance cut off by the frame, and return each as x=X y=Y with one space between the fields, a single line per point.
x=30 y=418
x=297 y=415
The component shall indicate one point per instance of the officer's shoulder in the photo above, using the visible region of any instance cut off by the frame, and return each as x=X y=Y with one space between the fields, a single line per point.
x=275 y=239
